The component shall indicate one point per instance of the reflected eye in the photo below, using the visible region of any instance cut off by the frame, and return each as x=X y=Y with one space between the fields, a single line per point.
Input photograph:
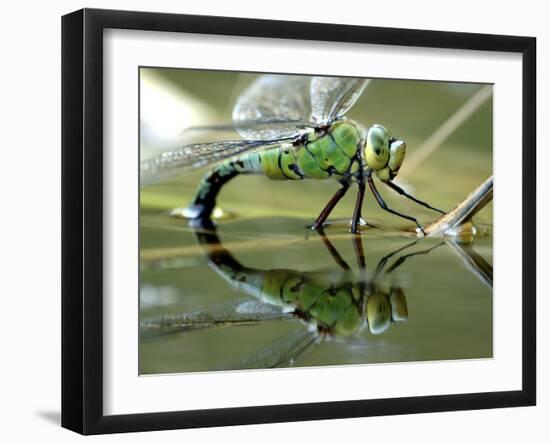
x=379 y=313
x=377 y=148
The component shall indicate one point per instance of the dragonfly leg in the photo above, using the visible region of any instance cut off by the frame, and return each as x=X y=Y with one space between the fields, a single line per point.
x=358 y=204
x=362 y=264
x=385 y=207
x=333 y=251
x=402 y=259
x=384 y=260
x=402 y=192
x=359 y=252
x=330 y=206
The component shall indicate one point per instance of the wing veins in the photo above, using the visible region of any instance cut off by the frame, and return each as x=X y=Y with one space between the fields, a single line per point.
x=252 y=124
x=333 y=97
x=193 y=156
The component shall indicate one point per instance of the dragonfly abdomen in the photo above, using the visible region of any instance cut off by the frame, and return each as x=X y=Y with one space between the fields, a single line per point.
x=318 y=155
x=213 y=181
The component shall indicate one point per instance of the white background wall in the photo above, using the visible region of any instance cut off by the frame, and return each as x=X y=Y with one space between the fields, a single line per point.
x=30 y=217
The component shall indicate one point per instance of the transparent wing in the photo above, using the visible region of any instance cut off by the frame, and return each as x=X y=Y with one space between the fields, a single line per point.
x=179 y=160
x=332 y=97
x=283 y=352
x=236 y=313
x=274 y=127
x=273 y=106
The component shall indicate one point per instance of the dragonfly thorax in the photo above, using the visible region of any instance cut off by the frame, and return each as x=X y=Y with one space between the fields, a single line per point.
x=383 y=154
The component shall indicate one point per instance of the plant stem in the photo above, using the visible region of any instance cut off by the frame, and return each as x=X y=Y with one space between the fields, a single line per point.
x=464 y=211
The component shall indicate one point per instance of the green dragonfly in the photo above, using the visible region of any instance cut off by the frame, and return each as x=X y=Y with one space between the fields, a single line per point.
x=293 y=128
x=333 y=305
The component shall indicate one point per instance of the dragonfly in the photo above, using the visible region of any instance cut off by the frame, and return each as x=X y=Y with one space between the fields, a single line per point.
x=293 y=128
x=333 y=305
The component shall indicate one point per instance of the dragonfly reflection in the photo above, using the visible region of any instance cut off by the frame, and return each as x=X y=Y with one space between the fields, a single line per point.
x=331 y=305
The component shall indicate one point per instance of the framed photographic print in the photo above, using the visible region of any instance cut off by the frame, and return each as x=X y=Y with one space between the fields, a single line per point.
x=273 y=221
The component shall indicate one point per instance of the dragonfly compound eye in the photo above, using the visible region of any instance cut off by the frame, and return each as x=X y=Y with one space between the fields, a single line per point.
x=398 y=148
x=379 y=313
x=377 y=148
x=397 y=155
x=399 y=311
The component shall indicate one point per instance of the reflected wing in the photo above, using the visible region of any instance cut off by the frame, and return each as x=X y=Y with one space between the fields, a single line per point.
x=179 y=160
x=332 y=97
x=283 y=352
x=236 y=313
x=273 y=106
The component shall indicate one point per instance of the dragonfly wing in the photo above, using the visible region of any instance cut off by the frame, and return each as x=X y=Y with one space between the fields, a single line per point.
x=236 y=313
x=283 y=352
x=188 y=157
x=273 y=106
x=332 y=97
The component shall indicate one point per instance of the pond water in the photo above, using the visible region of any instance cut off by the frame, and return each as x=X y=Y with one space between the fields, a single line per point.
x=199 y=314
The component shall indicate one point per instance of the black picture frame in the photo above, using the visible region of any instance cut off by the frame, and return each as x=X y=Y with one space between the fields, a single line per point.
x=82 y=220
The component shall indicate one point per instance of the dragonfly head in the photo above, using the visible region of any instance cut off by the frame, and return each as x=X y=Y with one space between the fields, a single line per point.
x=385 y=308
x=383 y=153
x=378 y=312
